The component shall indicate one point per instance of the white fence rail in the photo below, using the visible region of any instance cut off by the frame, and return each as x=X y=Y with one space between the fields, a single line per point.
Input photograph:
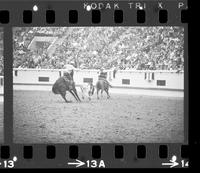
x=1 y=88
x=132 y=79
x=161 y=83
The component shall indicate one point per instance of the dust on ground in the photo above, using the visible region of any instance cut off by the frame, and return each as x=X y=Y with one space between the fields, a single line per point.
x=42 y=117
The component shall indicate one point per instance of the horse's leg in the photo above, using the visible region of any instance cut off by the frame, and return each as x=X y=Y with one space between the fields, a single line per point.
x=75 y=92
x=63 y=96
x=82 y=91
x=101 y=93
x=97 y=93
x=108 y=96
x=107 y=91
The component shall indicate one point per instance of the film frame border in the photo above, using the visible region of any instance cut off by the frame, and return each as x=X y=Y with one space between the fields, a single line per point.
x=83 y=16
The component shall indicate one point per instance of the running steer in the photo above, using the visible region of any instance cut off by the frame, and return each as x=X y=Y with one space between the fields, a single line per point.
x=87 y=90
x=62 y=85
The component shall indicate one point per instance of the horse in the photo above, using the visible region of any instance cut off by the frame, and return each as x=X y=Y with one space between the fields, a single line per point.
x=63 y=84
x=103 y=85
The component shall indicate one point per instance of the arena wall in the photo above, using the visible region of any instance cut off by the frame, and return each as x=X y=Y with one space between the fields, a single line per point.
x=1 y=88
x=153 y=81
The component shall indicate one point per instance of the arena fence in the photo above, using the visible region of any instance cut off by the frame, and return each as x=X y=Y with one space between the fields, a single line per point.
x=157 y=80
x=1 y=88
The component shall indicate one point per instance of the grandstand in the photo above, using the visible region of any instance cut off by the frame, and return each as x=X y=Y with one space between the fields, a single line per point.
x=1 y=52
x=134 y=48
x=1 y=66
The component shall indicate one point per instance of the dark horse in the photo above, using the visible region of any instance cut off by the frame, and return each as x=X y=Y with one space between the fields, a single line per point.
x=63 y=84
x=102 y=85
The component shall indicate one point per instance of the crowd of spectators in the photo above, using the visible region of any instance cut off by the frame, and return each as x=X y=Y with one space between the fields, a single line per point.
x=158 y=63
x=150 y=48
x=1 y=53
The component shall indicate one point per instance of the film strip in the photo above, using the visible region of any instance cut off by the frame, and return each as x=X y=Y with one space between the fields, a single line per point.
x=134 y=52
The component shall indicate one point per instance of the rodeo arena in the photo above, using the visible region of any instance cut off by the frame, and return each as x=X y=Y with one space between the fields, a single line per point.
x=98 y=84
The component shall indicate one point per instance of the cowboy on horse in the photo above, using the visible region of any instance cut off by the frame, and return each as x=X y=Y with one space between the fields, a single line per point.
x=103 y=76
x=69 y=68
x=102 y=84
x=66 y=83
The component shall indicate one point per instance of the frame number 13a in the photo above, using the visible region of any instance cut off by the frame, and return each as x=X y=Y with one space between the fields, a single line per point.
x=95 y=164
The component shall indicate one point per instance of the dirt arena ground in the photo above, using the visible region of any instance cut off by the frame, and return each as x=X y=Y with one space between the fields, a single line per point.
x=1 y=122
x=42 y=117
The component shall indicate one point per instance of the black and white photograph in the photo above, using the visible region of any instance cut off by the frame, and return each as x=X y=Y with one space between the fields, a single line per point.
x=97 y=84
x=1 y=87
